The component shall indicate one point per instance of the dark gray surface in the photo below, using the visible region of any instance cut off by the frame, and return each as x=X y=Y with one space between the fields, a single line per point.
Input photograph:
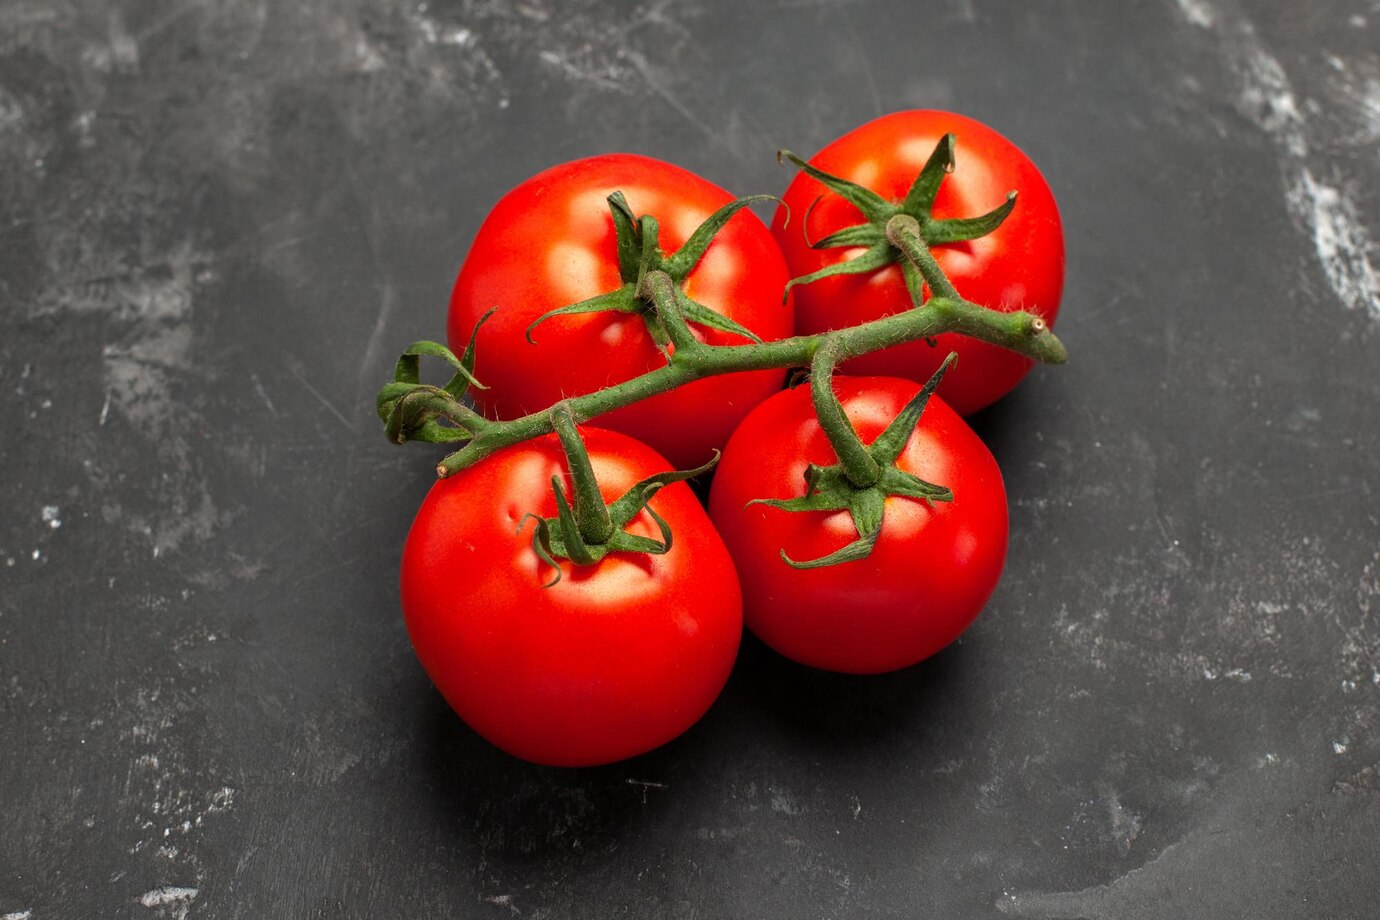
x=219 y=222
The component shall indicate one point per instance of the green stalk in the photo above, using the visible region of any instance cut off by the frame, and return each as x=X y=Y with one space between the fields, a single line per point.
x=903 y=232
x=1021 y=332
x=591 y=514
x=862 y=470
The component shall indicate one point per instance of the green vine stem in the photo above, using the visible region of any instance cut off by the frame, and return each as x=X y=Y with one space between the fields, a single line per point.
x=858 y=465
x=585 y=529
x=1019 y=331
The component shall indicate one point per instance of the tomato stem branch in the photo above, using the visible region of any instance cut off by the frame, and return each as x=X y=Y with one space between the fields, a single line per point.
x=1021 y=332
x=664 y=292
x=859 y=466
x=591 y=514
x=903 y=232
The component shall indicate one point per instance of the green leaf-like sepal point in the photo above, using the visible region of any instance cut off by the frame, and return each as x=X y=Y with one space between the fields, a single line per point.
x=829 y=488
x=877 y=211
x=410 y=409
x=590 y=530
x=640 y=254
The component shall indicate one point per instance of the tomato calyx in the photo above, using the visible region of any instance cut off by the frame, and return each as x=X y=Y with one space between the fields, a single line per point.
x=866 y=475
x=875 y=235
x=585 y=529
x=411 y=410
x=640 y=257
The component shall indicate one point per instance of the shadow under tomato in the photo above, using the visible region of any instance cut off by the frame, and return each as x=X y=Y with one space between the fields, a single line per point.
x=1002 y=426
x=851 y=713
x=519 y=812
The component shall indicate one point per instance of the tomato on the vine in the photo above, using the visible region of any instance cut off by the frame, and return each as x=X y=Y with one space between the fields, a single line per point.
x=1017 y=266
x=932 y=568
x=614 y=659
x=551 y=242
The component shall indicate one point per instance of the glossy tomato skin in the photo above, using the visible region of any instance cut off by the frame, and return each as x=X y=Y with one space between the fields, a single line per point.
x=550 y=242
x=931 y=571
x=616 y=658
x=1018 y=266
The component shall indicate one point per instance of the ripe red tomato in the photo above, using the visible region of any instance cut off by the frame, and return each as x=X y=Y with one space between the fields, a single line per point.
x=1020 y=265
x=615 y=658
x=931 y=570
x=551 y=242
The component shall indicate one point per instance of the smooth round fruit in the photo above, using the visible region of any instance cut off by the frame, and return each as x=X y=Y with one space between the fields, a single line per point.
x=928 y=576
x=614 y=659
x=1019 y=266
x=550 y=242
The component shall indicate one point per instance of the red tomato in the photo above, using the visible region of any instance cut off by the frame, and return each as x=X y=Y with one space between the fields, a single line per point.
x=550 y=242
x=931 y=570
x=615 y=658
x=1019 y=266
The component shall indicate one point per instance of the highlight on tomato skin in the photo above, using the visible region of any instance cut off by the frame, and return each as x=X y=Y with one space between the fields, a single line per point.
x=551 y=242
x=615 y=659
x=1018 y=266
x=932 y=569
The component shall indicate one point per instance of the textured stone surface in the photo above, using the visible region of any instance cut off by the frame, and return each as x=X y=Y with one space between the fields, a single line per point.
x=219 y=221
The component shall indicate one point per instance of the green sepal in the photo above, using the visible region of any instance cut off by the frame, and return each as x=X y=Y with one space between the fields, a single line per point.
x=701 y=315
x=541 y=539
x=828 y=488
x=408 y=368
x=571 y=545
x=918 y=203
x=857 y=235
x=639 y=254
x=559 y=538
x=860 y=548
x=679 y=265
x=959 y=229
x=412 y=416
x=878 y=256
x=649 y=231
x=920 y=199
x=873 y=206
x=619 y=300
x=899 y=482
x=626 y=507
x=625 y=231
x=815 y=502
x=409 y=408
x=892 y=441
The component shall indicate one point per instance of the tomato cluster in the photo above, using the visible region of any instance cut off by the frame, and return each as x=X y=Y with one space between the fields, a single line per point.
x=571 y=623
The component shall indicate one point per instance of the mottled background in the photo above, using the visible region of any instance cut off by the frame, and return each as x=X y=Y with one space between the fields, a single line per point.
x=219 y=221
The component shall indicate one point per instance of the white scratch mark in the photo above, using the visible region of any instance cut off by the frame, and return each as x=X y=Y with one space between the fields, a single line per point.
x=1341 y=242
x=387 y=304
x=177 y=901
x=503 y=900
x=782 y=803
x=324 y=401
x=659 y=86
x=1197 y=13
x=105 y=409
x=645 y=785
x=263 y=394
